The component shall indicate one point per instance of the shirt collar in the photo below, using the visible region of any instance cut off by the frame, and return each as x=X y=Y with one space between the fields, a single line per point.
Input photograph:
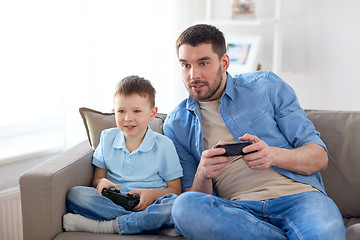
x=229 y=90
x=145 y=146
x=191 y=103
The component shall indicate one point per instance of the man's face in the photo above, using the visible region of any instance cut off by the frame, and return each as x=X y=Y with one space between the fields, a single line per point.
x=204 y=74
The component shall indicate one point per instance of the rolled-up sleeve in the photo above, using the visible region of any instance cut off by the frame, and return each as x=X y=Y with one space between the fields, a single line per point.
x=290 y=117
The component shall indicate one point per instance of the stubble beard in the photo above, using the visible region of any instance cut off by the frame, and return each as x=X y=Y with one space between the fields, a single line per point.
x=211 y=91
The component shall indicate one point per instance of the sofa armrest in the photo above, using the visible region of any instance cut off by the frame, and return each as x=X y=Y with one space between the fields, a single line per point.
x=44 y=188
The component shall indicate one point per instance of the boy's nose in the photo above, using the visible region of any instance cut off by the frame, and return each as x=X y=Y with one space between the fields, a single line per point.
x=127 y=117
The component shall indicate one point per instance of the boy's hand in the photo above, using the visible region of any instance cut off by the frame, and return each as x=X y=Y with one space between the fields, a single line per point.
x=146 y=198
x=105 y=183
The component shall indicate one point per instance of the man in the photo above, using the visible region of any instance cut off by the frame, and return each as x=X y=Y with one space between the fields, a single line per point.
x=275 y=191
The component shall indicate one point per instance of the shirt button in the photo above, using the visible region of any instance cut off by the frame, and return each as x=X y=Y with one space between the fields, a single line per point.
x=196 y=144
x=128 y=159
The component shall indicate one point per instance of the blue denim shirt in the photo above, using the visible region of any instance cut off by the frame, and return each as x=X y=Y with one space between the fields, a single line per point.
x=259 y=103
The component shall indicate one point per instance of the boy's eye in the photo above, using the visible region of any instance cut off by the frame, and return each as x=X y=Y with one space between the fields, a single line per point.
x=121 y=111
x=137 y=111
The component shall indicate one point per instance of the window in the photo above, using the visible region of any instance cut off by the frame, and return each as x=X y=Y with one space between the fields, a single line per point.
x=57 y=56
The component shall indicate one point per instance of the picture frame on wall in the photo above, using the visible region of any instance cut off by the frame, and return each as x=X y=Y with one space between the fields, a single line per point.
x=244 y=52
x=243 y=9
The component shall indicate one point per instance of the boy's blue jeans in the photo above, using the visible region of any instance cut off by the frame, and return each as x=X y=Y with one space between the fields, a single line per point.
x=87 y=202
x=308 y=215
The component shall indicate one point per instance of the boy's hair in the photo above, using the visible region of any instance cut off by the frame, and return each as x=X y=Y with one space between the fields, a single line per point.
x=136 y=85
x=203 y=33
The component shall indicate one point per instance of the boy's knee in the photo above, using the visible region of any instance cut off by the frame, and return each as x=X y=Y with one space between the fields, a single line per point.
x=79 y=193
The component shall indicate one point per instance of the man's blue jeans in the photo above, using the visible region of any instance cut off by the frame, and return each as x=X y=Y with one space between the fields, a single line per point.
x=308 y=215
x=87 y=202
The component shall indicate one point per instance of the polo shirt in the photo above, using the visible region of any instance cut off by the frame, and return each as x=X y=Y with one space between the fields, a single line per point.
x=151 y=165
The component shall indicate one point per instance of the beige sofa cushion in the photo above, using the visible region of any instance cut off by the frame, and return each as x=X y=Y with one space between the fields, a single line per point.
x=95 y=122
x=340 y=131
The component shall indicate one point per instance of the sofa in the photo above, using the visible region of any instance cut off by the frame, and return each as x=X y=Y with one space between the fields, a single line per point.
x=44 y=187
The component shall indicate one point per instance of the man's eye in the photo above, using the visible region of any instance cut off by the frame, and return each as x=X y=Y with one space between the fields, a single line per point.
x=204 y=63
x=184 y=65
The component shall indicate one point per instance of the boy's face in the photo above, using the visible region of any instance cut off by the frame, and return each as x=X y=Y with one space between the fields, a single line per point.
x=132 y=115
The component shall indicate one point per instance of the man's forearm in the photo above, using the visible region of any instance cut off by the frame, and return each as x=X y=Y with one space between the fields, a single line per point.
x=201 y=184
x=305 y=160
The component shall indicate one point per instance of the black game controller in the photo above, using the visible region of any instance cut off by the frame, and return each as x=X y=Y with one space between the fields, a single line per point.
x=127 y=201
x=234 y=149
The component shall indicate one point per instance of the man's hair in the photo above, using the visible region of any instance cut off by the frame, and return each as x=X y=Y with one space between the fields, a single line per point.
x=136 y=85
x=203 y=33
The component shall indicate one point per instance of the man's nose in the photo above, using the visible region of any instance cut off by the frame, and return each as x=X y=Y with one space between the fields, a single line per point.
x=194 y=73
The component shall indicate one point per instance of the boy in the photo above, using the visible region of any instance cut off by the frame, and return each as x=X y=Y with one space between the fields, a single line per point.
x=132 y=159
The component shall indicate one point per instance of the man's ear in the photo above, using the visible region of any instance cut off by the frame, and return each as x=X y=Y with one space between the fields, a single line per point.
x=154 y=111
x=225 y=62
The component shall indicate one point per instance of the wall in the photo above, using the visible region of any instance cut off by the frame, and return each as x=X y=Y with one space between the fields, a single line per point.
x=320 y=52
x=11 y=172
x=321 y=49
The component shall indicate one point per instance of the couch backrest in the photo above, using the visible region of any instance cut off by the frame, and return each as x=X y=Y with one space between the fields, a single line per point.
x=157 y=123
x=340 y=130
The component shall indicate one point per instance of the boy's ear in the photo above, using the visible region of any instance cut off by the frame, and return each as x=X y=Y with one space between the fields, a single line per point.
x=153 y=113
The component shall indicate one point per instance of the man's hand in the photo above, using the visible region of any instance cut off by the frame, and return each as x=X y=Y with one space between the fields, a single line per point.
x=264 y=156
x=211 y=166
x=305 y=160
